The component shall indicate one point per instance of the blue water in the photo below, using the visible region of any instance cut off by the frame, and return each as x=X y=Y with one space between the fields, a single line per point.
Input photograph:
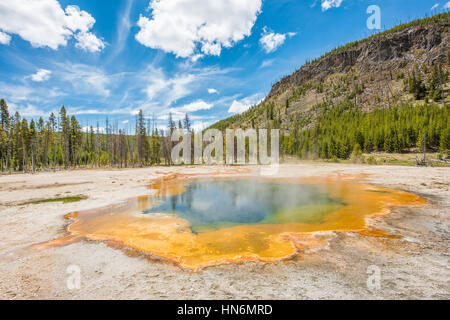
x=213 y=204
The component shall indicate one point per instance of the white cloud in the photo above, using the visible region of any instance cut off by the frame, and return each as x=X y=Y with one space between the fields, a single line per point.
x=179 y=113
x=44 y=23
x=195 y=106
x=213 y=91
x=447 y=5
x=85 y=78
x=81 y=111
x=172 y=89
x=28 y=110
x=195 y=57
x=434 y=7
x=188 y=27
x=239 y=106
x=24 y=93
x=95 y=128
x=4 y=38
x=123 y=29
x=270 y=41
x=41 y=75
x=89 y=42
x=16 y=93
x=78 y=20
x=328 y=4
x=163 y=90
x=267 y=63
x=201 y=125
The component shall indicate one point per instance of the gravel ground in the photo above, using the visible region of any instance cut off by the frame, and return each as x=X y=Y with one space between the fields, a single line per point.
x=413 y=267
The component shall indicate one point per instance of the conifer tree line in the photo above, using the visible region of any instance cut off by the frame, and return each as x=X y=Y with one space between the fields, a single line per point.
x=343 y=129
x=337 y=129
x=59 y=142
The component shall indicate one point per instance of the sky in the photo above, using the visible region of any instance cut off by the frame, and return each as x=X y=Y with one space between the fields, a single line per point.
x=208 y=58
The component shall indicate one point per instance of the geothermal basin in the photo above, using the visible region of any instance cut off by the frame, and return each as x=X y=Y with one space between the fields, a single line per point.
x=199 y=221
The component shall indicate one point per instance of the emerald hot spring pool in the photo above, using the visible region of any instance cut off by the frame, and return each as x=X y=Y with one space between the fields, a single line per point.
x=202 y=221
x=216 y=204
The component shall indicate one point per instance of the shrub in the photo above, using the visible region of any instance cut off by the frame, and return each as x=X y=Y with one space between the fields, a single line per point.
x=356 y=156
x=371 y=160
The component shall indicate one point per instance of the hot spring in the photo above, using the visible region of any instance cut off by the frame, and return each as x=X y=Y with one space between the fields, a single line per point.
x=215 y=204
x=199 y=222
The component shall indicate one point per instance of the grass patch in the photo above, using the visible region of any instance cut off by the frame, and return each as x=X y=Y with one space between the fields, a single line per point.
x=63 y=200
x=398 y=162
x=439 y=164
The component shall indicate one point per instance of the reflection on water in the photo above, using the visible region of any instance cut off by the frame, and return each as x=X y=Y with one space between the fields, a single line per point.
x=214 y=204
x=198 y=223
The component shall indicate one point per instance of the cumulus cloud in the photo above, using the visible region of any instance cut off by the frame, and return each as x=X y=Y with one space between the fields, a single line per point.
x=195 y=106
x=271 y=41
x=178 y=113
x=4 y=38
x=188 y=28
x=239 y=106
x=45 y=24
x=213 y=91
x=89 y=42
x=328 y=4
x=447 y=5
x=434 y=7
x=41 y=75
x=78 y=20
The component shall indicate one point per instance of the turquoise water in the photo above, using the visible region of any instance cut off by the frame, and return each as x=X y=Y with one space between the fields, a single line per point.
x=214 y=204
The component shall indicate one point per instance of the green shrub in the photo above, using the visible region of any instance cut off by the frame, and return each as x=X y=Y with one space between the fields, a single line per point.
x=371 y=160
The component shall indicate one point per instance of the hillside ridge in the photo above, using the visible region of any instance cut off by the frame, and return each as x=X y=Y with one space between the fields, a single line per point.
x=369 y=53
x=371 y=72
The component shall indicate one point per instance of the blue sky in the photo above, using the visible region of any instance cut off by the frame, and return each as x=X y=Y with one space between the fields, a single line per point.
x=210 y=59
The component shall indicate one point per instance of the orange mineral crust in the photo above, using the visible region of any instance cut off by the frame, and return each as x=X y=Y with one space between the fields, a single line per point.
x=170 y=237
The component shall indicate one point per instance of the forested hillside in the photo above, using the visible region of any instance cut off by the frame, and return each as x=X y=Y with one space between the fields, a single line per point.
x=387 y=93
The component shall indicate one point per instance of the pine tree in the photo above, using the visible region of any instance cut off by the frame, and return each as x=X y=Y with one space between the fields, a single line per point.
x=142 y=141
x=25 y=143
x=76 y=140
x=4 y=134
x=444 y=144
x=187 y=123
x=4 y=115
x=434 y=83
x=64 y=124
x=416 y=85
x=172 y=125
x=33 y=144
x=3 y=148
